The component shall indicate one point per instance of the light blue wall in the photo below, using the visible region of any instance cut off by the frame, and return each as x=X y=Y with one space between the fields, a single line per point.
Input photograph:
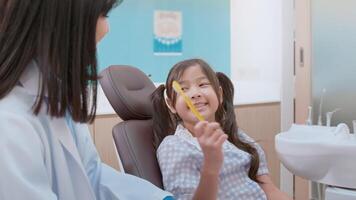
x=206 y=34
x=334 y=57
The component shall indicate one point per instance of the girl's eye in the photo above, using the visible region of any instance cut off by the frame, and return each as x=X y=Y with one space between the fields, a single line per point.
x=203 y=84
x=184 y=89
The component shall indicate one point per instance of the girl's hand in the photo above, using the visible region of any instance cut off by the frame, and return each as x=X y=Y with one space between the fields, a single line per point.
x=211 y=138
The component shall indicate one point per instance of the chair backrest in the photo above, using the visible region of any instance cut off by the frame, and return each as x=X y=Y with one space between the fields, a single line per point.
x=128 y=90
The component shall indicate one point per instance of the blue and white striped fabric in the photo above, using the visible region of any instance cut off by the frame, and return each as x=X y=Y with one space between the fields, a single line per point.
x=180 y=159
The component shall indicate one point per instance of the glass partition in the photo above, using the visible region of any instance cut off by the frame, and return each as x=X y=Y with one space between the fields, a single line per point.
x=334 y=60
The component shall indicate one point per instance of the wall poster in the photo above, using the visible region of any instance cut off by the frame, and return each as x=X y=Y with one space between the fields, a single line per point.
x=167 y=33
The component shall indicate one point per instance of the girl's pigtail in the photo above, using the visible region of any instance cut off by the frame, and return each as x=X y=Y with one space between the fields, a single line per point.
x=229 y=124
x=227 y=114
x=162 y=119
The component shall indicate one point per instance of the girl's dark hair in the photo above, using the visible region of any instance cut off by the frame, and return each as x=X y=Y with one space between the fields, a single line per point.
x=60 y=35
x=165 y=122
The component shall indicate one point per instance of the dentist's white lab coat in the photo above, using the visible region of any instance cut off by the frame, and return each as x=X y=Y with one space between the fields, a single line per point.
x=43 y=158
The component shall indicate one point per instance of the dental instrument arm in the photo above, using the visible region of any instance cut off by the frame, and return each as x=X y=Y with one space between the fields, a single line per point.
x=309 y=121
x=320 y=122
x=329 y=116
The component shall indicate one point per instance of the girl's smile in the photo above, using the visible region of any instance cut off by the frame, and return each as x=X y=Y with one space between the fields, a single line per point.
x=200 y=105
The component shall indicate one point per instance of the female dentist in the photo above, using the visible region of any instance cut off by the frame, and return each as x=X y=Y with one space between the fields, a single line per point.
x=48 y=83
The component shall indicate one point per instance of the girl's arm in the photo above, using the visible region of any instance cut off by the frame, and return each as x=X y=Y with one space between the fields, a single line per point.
x=272 y=192
x=208 y=185
x=211 y=138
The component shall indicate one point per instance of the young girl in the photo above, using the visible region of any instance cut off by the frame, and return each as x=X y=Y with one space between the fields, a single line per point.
x=48 y=78
x=211 y=159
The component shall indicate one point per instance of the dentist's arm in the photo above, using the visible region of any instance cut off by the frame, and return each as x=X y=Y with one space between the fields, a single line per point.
x=107 y=182
x=22 y=161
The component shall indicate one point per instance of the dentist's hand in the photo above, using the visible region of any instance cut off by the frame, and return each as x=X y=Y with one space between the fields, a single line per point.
x=211 y=138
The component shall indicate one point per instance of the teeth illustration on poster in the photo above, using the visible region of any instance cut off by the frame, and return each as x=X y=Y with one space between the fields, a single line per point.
x=167 y=33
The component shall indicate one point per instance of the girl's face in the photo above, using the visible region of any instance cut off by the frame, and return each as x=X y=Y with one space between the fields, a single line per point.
x=198 y=88
x=102 y=28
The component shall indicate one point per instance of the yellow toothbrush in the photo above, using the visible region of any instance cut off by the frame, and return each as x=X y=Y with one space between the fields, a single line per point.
x=179 y=90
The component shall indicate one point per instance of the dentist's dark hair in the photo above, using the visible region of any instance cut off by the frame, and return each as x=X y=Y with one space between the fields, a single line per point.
x=165 y=122
x=61 y=37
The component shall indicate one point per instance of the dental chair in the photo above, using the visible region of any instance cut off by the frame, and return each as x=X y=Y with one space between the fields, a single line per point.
x=128 y=90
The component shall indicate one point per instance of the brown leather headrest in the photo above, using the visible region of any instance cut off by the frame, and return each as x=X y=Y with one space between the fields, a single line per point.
x=128 y=90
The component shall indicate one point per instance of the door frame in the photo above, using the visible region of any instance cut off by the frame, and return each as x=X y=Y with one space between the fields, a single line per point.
x=287 y=86
x=296 y=84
